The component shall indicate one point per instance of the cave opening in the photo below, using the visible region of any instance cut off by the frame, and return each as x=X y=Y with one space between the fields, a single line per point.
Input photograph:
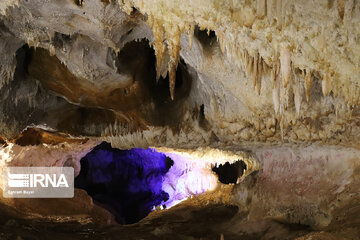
x=206 y=37
x=230 y=172
x=132 y=183
x=137 y=55
x=126 y=182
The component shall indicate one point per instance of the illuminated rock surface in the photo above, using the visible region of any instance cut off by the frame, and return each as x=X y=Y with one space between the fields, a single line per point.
x=129 y=182
x=273 y=83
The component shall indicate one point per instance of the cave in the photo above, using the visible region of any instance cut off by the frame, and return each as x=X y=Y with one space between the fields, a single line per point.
x=128 y=181
x=230 y=172
x=131 y=183
x=180 y=119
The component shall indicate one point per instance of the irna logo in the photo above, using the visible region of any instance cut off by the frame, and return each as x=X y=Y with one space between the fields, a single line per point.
x=37 y=180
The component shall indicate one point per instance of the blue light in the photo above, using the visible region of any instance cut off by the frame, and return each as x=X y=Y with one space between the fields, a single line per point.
x=130 y=183
x=127 y=182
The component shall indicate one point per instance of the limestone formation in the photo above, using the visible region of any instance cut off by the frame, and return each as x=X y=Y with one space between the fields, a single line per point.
x=273 y=83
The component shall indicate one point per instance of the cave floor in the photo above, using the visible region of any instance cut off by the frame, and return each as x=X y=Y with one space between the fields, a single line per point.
x=213 y=221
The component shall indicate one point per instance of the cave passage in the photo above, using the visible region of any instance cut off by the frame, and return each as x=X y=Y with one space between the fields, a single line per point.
x=126 y=182
x=230 y=172
x=132 y=183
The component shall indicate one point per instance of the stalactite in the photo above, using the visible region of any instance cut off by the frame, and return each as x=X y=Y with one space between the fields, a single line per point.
x=240 y=57
x=270 y=9
x=261 y=8
x=6 y=4
x=273 y=76
x=259 y=74
x=254 y=69
x=285 y=66
x=297 y=94
x=325 y=84
x=276 y=95
x=169 y=33
x=281 y=124
x=173 y=38
x=265 y=67
x=191 y=35
x=51 y=50
x=248 y=62
x=279 y=12
x=159 y=44
x=308 y=84
x=286 y=96
x=221 y=42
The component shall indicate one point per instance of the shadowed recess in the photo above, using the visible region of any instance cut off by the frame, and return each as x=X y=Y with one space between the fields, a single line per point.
x=2 y=141
x=230 y=172
x=126 y=182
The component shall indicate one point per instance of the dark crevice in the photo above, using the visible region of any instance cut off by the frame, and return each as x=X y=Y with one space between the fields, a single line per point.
x=2 y=141
x=203 y=122
x=206 y=37
x=202 y=111
x=79 y=3
x=182 y=85
x=59 y=39
x=14 y=96
x=134 y=10
x=169 y=112
x=230 y=172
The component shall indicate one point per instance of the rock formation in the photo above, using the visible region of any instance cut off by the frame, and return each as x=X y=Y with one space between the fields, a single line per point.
x=271 y=83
